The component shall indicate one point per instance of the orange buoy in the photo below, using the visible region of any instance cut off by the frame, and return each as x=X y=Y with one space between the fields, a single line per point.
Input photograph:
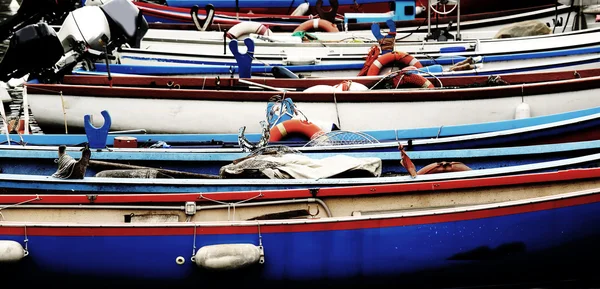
x=317 y=24
x=393 y=57
x=413 y=79
x=443 y=167
x=304 y=127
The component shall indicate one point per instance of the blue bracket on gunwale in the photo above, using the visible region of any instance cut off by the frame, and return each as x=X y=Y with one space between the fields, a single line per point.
x=97 y=135
x=376 y=30
x=244 y=61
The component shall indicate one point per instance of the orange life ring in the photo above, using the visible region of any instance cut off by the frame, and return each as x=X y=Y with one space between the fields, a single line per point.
x=414 y=79
x=320 y=24
x=245 y=28
x=395 y=56
x=306 y=128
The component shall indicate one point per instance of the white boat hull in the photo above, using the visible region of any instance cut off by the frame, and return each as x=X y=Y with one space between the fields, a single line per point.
x=217 y=116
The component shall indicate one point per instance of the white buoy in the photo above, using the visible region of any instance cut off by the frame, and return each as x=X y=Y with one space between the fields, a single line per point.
x=320 y=88
x=11 y=251
x=352 y=86
x=228 y=256
x=301 y=9
x=523 y=111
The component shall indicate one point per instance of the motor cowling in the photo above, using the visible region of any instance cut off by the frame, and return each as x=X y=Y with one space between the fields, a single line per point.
x=127 y=24
x=33 y=47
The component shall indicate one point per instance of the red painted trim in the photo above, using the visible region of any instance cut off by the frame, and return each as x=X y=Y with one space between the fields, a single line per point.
x=346 y=96
x=191 y=82
x=367 y=190
x=469 y=12
x=334 y=225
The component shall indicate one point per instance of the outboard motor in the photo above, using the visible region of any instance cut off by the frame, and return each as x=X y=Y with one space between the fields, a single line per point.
x=33 y=47
x=88 y=33
x=32 y=11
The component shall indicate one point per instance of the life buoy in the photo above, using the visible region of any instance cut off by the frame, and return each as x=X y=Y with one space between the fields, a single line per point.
x=304 y=127
x=443 y=167
x=245 y=28
x=395 y=56
x=317 y=24
x=412 y=78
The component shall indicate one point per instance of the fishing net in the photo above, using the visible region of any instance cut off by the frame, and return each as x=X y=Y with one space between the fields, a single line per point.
x=341 y=137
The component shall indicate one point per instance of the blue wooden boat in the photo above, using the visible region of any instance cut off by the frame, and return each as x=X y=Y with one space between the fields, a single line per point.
x=527 y=239
x=364 y=171
x=184 y=163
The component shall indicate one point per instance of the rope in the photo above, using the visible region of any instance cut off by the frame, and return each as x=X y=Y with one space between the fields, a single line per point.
x=194 y=246
x=337 y=112
x=232 y=205
x=62 y=102
x=25 y=242
x=37 y=198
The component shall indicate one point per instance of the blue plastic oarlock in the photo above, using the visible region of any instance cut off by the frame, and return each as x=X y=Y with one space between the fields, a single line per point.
x=244 y=61
x=97 y=135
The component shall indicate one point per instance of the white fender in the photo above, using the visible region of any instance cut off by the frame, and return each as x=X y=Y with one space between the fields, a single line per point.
x=243 y=29
x=300 y=59
x=523 y=110
x=353 y=86
x=301 y=9
x=320 y=88
x=228 y=256
x=419 y=10
x=11 y=251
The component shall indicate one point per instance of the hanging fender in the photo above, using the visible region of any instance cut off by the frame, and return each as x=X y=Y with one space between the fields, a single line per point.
x=410 y=76
x=317 y=24
x=393 y=57
x=304 y=127
x=245 y=28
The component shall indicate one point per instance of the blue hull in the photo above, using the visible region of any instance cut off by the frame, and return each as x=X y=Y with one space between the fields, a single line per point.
x=545 y=242
x=41 y=162
x=36 y=184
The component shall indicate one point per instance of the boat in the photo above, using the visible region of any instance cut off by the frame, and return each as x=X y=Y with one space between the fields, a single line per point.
x=260 y=172
x=181 y=109
x=206 y=163
x=441 y=67
x=498 y=234
x=170 y=46
x=143 y=139
x=346 y=6
x=475 y=26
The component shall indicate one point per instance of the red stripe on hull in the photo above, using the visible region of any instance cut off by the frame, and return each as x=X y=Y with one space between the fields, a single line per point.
x=309 y=226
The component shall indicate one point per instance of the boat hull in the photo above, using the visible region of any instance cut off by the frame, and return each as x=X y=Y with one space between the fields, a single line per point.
x=545 y=239
x=181 y=111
